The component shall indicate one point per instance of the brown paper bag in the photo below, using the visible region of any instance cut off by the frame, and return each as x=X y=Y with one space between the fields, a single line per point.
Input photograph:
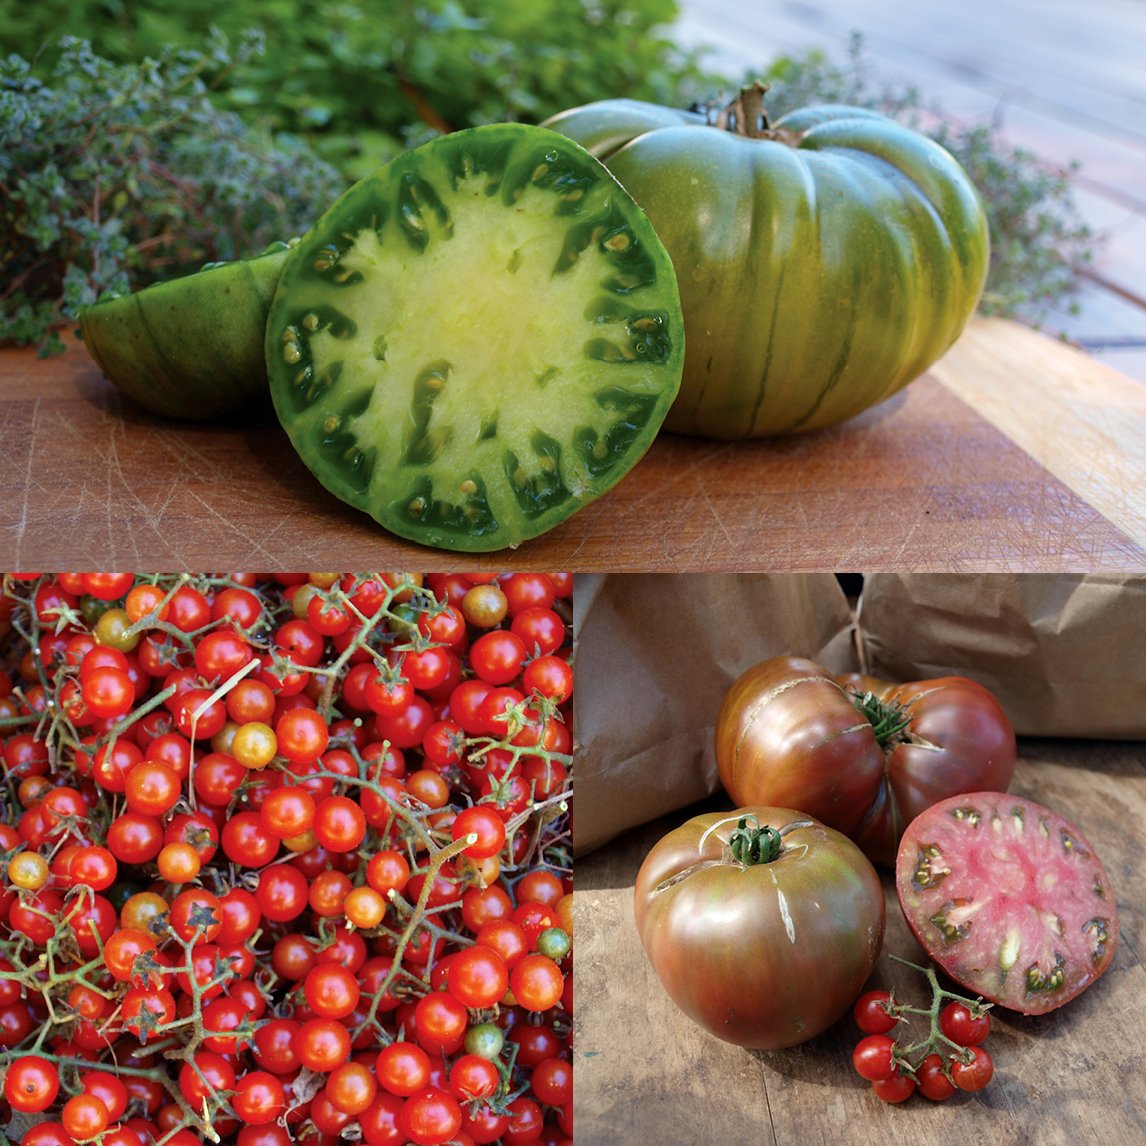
x=1064 y=654
x=655 y=655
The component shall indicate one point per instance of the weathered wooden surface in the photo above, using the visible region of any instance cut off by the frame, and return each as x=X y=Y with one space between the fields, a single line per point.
x=1014 y=452
x=645 y=1073
x=1064 y=80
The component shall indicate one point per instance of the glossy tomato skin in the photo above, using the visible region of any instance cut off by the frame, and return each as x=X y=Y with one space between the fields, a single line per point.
x=767 y=955
x=140 y=340
x=822 y=267
x=789 y=732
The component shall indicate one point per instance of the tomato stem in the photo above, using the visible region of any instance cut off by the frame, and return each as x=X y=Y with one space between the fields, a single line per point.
x=745 y=115
x=888 y=718
x=909 y=1057
x=753 y=843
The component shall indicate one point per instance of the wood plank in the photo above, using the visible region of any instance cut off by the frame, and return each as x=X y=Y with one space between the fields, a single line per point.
x=1120 y=246
x=645 y=1073
x=1061 y=420
x=1103 y=319
x=1084 y=63
x=922 y=481
x=1130 y=362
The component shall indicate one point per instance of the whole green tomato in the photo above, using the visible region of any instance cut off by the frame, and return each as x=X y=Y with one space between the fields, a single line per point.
x=762 y=923
x=824 y=261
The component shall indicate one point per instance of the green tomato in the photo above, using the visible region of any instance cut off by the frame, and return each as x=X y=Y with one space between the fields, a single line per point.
x=192 y=347
x=477 y=339
x=824 y=261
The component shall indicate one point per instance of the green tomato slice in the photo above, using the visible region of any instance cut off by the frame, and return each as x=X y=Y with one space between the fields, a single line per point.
x=477 y=339
x=191 y=347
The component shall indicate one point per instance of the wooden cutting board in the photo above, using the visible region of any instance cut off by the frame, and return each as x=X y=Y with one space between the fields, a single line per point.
x=1014 y=452
x=645 y=1073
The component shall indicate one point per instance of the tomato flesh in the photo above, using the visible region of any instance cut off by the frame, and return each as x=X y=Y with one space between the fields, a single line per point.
x=477 y=339
x=1009 y=898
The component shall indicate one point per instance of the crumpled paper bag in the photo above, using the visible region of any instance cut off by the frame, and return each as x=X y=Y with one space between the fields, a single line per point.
x=1065 y=654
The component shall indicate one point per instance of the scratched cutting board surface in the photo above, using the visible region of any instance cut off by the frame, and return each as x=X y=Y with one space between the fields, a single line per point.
x=1014 y=452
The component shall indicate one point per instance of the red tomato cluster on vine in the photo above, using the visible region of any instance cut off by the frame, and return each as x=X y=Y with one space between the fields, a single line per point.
x=948 y=1060
x=286 y=859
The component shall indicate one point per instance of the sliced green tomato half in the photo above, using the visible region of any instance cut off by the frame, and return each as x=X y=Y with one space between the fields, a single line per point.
x=477 y=339
x=192 y=347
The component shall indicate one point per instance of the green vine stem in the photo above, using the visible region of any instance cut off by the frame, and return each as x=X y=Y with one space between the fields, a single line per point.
x=904 y=1055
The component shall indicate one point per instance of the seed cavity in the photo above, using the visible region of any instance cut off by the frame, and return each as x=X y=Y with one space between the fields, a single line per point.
x=1099 y=931
x=970 y=816
x=1039 y=983
x=930 y=871
x=1009 y=952
x=618 y=242
x=1071 y=846
x=331 y=423
x=468 y=486
x=326 y=258
x=949 y=929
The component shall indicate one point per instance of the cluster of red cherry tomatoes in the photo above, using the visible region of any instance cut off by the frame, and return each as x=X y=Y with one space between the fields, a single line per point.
x=949 y=1059
x=286 y=859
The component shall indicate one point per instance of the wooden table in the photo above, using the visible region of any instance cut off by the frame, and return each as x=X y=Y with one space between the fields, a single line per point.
x=1013 y=453
x=645 y=1073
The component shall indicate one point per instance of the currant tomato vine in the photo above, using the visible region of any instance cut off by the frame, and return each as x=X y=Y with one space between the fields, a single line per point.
x=286 y=857
x=946 y=1060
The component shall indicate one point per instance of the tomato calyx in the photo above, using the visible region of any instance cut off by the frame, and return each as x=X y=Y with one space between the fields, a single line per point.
x=889 y=719
x=753 y=843
x=750 y=843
